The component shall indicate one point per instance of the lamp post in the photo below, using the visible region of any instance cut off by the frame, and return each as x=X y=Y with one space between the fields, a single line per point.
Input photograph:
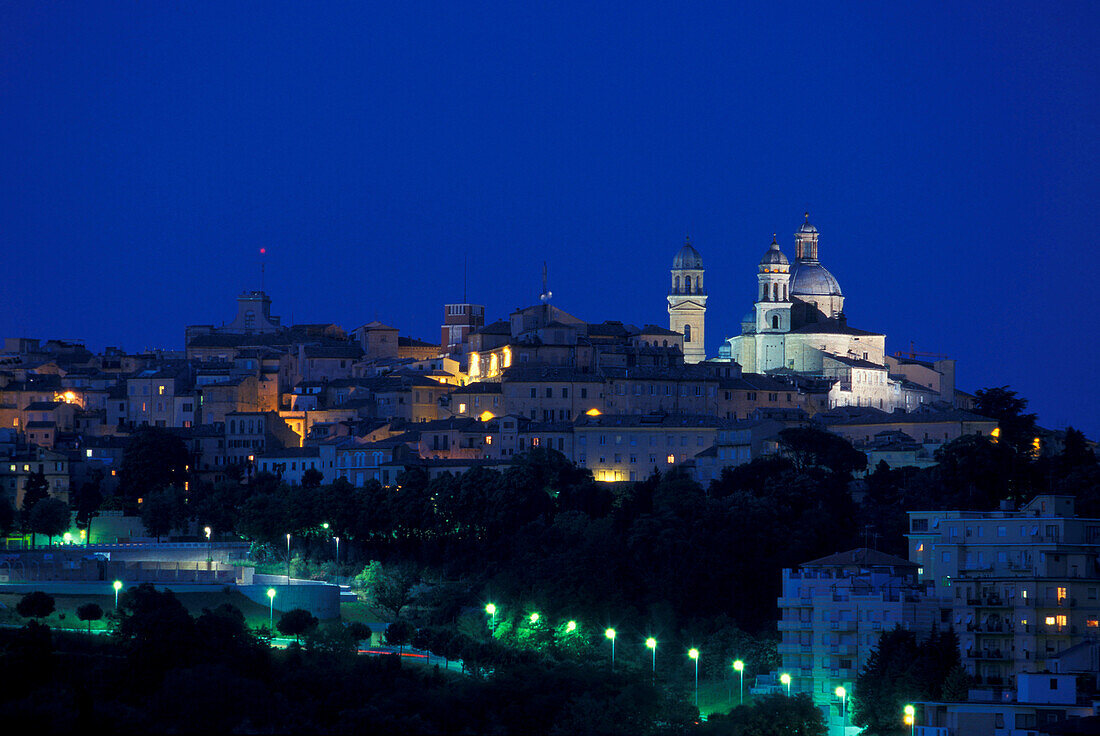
x=288 y=559
x=694 y=654
x=534 y=617
x=570 y=627
x=610 y=634
x=117 y=586
x=651 y=644
x=910 y=718
x=491 y=609
x=842 y=693
x=337 y=550
x=209 y=546
x=739 y=666
x=271 y=609
x=785 y=678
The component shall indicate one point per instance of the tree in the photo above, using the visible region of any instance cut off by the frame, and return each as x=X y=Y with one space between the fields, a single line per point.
x=89 y=612
x=154 y=459
x=50 y=517
x=7 y=517
x=809 y=447
x=87 y=502
x=1017 y=429
x=296 y=622
x=162 y=511
x=399 y=633
x=312 y=478
x=389 y=589
x=770 y=715
x=35 y=605
x=36 y=489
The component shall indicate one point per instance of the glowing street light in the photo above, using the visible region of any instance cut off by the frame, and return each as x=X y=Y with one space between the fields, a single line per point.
x=651 y=644
x=610 y=634
x=785 y=678
x=739 y=667
x=842 y=693
x=534 y=617
x=207 y=531
x=491 y=609
x=337 y=550
x=271 y=611
x=117 y=586
x=694 y=654
x=570 y=627
x=910 y=718
x=288 y=559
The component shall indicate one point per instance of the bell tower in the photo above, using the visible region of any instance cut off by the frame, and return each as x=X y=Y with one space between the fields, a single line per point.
x=687 y=302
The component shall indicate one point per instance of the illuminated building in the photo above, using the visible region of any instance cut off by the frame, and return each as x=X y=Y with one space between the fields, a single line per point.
x=687 y=302
x=1019 y=587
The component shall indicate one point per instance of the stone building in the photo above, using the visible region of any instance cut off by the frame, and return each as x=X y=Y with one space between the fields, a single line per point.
x=687 y=302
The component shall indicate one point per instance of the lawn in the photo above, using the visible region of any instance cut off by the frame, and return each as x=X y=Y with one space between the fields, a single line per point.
x=64 y=615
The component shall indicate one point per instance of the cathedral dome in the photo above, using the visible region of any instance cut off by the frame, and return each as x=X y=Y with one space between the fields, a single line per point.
x=774 y=256
x=688 y=257
x=813 y=279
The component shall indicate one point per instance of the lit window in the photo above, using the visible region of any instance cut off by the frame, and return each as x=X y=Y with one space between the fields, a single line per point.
x=671 y=459
x=1061 y=619
x=1061 y=595
x=1049 y=621
x=488 y=439
x=87 y=453
x=461 y=408
x=1092 y=623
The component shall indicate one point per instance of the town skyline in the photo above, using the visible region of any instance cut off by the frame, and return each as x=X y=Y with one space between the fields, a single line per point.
x=400 y=142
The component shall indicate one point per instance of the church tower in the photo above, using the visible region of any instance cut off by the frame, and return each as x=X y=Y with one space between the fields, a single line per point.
x=773 y=302
x=687 y=302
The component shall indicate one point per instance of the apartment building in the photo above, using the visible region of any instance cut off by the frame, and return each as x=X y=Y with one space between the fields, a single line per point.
x=832 y=612
x=1023 y=586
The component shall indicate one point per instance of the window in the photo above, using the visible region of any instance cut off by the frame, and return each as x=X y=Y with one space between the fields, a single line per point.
x=584 y=393
x=687 y=333
x=775 y=322
x=671 y=459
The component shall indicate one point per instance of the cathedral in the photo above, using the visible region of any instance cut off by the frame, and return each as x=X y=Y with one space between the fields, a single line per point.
x=798 y=320
x=797 y=327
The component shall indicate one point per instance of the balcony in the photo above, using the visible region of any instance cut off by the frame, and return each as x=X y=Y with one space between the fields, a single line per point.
x=994 y=654
x=931 y=731
x=794 y=625
x=842 y=625
x=842 y=649
x=796 y=602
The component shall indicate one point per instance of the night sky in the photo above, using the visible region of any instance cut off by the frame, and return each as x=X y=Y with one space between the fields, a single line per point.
x=948 y=155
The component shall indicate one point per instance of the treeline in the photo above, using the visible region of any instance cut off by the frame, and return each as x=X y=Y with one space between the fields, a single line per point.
x=165 y=671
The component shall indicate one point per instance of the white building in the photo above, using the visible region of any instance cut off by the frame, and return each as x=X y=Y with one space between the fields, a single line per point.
x=833 y=611
x=1023 y=585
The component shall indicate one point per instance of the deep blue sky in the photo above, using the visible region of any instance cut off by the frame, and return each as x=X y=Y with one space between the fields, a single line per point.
x=948 y=156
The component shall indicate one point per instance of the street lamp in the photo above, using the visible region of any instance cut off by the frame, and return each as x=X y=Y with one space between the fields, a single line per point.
x=491 y=609
x=842 y=693
x=785 y=678
x=117 y=586
x=610 y=634
x=651 y=644
x=271 y=611
x=288 y=559
x=910 y=718
x=534 y=617
x=739 y=666
x=337 y=550
x=694 y=654
x=570 y=627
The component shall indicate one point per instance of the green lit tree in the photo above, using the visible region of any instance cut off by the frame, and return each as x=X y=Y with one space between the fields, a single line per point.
x=295 y=622
x=89 y=612
x=51 y=517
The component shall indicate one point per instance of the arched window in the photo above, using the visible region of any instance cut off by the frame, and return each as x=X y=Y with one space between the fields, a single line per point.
x=775 y=321
x=687 y=333
x=665 y=343
x=687 y=284
x=784 y=292
x=775 y=292
x=763 y=292
x=676 y=288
